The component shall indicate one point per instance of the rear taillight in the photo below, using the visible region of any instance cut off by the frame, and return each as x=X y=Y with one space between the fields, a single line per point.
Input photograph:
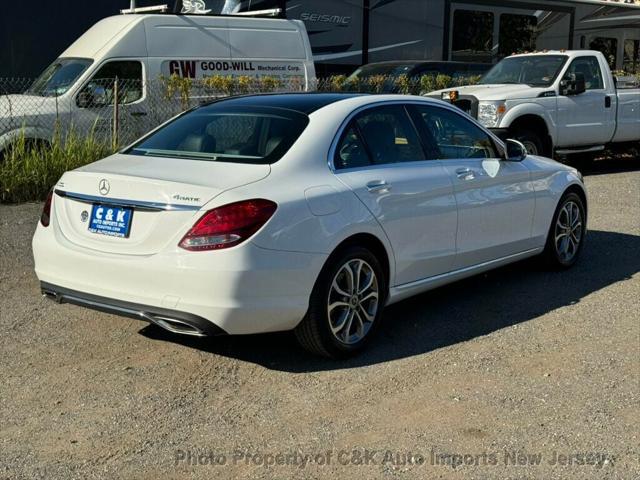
x=229 y=225
x=45 y=218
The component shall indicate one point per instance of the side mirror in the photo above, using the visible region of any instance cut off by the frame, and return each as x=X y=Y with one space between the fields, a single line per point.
x=573 y=84
x=516 y=151
x=84 y=99
x=579 y=85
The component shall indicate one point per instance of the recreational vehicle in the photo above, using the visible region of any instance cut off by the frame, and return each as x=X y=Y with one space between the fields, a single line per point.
x=347 y=33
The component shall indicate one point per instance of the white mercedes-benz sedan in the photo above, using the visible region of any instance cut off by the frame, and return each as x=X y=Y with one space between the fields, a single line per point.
x=304 y=212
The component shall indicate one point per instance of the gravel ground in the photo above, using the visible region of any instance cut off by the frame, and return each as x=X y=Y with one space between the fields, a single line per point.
x=519 y=373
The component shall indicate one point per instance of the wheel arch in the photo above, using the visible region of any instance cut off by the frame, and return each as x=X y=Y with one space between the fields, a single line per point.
x=372 y=243
x=578 y=190
x=536 y=123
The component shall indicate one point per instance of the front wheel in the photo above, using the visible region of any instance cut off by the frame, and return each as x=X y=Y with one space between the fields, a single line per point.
x=567 y=232
x=532 y=142
x=345 y=305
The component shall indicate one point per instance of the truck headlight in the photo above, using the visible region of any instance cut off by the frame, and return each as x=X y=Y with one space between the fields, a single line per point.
x=490 y=113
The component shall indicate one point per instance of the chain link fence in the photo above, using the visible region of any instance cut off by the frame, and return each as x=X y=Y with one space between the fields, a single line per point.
x=118 y=111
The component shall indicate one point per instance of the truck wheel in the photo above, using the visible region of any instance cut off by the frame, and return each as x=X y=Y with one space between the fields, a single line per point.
x=532 y=142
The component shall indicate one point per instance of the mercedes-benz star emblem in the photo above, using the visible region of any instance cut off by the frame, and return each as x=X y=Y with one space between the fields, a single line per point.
x=84 y=216
x=104 y=186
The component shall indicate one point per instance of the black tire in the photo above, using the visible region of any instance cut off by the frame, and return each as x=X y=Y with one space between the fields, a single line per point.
x=314 y=333
x=553 y=254
x=532 y=141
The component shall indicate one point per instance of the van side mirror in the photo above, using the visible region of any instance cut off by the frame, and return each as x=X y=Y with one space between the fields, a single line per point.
x=573 y=84
x=516 y=151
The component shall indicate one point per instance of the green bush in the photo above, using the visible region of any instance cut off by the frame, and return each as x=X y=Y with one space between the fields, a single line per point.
x=29 y=169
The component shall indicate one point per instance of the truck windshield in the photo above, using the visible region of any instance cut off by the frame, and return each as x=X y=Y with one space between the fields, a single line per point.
x=533 y=70
x=59 y=77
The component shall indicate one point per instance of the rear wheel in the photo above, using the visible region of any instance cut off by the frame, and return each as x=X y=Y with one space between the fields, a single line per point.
x=345 y=306
x=567 y=232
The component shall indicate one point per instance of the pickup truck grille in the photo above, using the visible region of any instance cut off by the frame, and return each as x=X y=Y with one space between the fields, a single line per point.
x=468 y=104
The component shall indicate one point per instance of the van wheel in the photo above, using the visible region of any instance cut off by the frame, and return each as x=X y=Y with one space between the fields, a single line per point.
x=345 y=306
x=531 y=141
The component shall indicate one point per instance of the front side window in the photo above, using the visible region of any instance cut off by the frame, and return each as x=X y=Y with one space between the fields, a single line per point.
x=451 y=136
x=590 y=69
x=101 y=89
x=254 y=135
x=59 y=77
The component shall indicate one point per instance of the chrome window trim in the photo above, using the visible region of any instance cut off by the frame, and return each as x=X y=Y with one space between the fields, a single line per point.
x=426 y=102
x=119 y=202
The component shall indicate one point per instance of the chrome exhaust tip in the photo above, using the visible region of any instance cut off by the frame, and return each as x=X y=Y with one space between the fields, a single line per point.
x=53 y=296
x=175 y=326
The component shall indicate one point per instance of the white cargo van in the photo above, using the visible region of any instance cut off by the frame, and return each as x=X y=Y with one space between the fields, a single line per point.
x=138 y=49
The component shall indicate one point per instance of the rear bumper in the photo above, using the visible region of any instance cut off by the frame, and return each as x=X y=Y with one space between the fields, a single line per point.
x=242 y=290
x=172 y=320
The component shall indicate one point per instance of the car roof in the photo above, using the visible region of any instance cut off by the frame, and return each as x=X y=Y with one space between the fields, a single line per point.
x=306 y=103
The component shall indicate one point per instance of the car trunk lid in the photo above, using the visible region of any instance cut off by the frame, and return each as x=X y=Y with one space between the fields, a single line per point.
x=162 y=198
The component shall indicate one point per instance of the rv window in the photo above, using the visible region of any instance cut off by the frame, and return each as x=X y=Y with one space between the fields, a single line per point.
x=631 y=56
x=608 y=47
x=59 y=76
x=100 y=91
x=524 y=40
x=215 y=133
x=472 y=36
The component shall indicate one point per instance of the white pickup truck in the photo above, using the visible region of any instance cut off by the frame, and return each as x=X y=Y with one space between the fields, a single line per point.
x=554 y=102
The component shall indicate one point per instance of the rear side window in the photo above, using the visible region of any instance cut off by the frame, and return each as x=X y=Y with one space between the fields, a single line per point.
x=387 y=134
x=256 y=135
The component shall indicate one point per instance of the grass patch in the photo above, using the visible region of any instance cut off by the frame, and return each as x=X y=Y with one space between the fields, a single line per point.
x=29 y=169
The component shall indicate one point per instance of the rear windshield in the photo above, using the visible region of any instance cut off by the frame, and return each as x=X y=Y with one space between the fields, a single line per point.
x=256 y=135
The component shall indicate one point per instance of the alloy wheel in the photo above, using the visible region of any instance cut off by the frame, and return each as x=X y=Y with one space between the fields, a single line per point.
x=568 y=231
x=353 y=301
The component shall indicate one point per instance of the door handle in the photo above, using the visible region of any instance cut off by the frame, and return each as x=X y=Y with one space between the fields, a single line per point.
x=465 y=174
x=138 y=114
x=378 y=186
x=607 y=102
